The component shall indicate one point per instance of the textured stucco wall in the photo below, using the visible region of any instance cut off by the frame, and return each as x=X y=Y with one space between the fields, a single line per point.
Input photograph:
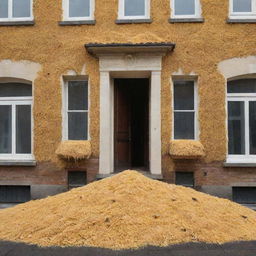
x=58 y=49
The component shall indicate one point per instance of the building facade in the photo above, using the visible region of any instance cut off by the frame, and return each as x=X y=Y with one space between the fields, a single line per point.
x=93 y=87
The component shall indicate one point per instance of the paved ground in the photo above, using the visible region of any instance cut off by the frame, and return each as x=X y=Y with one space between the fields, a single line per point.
x=3 y=206
x=231 y=249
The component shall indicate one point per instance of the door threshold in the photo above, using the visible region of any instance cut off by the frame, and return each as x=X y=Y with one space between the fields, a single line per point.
x=138 y=169
x=147 y=174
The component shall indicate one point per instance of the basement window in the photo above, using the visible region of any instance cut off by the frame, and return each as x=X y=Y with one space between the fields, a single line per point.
x=16 y=121
x=76 y=110
x=244 y=195
x=241 y=103
x=78 y=10
x=16 y=10
x=185 y=9
x=77 y=179
x=185 y=113
x=185 y=179
x=134 y=9
x=242 y=9
x=14 y=194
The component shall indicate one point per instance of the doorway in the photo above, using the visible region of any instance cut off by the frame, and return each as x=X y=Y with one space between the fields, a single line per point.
x=131 y=124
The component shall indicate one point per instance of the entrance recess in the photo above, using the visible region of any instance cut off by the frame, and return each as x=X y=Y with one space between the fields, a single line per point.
x=120 y=146
x=131 y=124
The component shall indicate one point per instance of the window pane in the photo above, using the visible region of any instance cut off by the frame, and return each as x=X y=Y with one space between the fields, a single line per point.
x=242 y=86
x=184 y=123
x=252 y=120
x=23 y=129
x=5 y=129
x=78 y=95
x=79 y=8
x=77 y=126
x=184 y=95
x=134 y=8
x=242 y=5
x=21 y=8
x=3 y=8
x=184 y=7
x=236 y=128
x=15 y=90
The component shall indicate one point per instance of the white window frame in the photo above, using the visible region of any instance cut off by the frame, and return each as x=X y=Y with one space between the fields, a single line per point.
x=242 y=15
x=10 y=13
x=198 y=11
x=196 y=123
x=122 y=16
x=246 y=98
x=13 y=101
x=66 y=111
x=65 y=7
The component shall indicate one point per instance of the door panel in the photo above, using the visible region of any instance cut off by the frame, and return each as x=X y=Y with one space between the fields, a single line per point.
x=122 y=126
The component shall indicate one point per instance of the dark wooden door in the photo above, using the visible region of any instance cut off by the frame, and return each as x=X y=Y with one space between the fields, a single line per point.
x=131 y=124
x=122 y=116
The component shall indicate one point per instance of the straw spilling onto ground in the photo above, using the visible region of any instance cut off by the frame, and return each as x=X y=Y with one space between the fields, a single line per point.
x=125 y=211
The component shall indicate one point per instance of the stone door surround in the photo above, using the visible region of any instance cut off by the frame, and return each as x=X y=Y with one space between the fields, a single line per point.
x=129 y=61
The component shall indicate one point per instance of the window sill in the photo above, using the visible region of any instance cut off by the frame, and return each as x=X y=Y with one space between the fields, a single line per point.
x=17 y=23
x=77 y=22
x=238 y=165
x=133 y=21
x=186 y=20
x=240 y=21
x=17 y=163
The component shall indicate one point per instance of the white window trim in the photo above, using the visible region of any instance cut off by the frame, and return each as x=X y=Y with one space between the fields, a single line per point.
x=198 y=11
x=13 y=101
x=65 y=108
x=196 y=102
x=242 y=15
x=246 y=98
x=65 y=7
x=122 y=16
x=10 y=13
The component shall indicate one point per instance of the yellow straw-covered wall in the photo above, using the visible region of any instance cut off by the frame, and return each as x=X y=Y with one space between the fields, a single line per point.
x=200 y=47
